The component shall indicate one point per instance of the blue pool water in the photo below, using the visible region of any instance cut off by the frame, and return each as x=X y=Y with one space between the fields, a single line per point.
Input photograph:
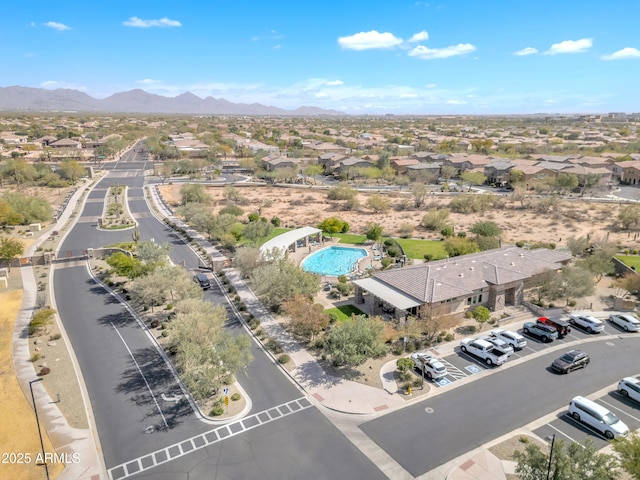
x=333 y=260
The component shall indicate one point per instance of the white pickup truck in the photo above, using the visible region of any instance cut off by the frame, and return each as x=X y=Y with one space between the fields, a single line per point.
x=483 y=350
x=428 y=365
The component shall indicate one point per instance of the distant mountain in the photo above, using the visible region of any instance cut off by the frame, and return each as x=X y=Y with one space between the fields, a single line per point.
x=138 y=101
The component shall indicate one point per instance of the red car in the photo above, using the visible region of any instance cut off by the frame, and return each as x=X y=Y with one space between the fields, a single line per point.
x=561 y=326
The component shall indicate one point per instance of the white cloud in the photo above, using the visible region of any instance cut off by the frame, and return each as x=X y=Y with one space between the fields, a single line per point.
x=148 y=81
x=456 y=102
x=419 y=37
x=628 y=52
x=570 y=46
x=163 y=22
x=334 y=83
x=408 y=95
x=369 y=40
x=431 y=85
x=61 y=27
x=430 y=53
x=53 y=84
x=526 y=51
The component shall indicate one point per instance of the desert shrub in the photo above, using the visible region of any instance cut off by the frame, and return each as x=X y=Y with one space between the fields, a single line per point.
x=448 y=337
x=35 y=357
x=254 y=217
x=44 y=371
x=235 y=397
x=404 y=364
x=56 y=336
x=284 y=358
x=216 y=411
x=386 y=262
x=274 y=346
x=169 y=306
x=404 y=376
x=154 y=323
x=344 y=288
x=40 y=320
x=342 y=279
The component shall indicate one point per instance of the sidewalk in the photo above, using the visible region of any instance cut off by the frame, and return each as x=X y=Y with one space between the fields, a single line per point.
x=64 y=438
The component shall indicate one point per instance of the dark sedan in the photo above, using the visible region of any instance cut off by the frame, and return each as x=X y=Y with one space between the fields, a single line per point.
x=570 y=361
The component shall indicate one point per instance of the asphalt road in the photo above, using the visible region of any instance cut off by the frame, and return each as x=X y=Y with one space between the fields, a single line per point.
x=126 y=376
x=439 y=429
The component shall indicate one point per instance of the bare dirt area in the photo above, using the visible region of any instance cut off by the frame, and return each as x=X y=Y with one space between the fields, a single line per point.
x=299 y=206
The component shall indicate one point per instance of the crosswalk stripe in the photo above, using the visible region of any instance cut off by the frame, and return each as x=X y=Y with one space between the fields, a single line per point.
x=202 y=440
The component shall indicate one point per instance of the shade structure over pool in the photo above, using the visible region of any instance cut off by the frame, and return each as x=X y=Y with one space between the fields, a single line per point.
x=284 y=240
x=388 y=294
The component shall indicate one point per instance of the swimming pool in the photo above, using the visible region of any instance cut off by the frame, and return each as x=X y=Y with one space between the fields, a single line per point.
x=333 y=261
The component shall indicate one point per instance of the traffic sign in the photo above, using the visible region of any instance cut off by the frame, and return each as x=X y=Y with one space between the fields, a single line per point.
x=225 y=390
x=226 y=401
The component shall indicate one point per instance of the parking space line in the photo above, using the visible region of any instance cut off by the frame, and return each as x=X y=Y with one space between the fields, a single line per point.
x=453 y=371
x=561 y=432
x=620 y=410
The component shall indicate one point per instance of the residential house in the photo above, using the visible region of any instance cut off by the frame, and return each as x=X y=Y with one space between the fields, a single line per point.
x=271 y=163
x=630 y=172
x=463 y=161
x=498 y=171
x=65 y=143
x=494 y=279
x=400 y=164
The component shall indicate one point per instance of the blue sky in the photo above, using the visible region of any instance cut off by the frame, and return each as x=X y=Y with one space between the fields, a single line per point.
x=391 y=56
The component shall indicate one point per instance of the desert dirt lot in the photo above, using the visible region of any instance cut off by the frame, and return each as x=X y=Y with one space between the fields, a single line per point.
x=302 y=206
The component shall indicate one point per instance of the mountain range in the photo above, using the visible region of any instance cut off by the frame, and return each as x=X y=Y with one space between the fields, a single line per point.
x=138 y=101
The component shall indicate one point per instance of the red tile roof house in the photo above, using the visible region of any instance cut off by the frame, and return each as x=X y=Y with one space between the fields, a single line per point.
x=495 y=279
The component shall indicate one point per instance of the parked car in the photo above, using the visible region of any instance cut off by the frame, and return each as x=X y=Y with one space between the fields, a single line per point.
x=484 y=350
x=327 y=286
x=572 y=360
x=626 y=321
x=202 y=280
x=589 y=323
x=561 y=326
x=499 y=344
x=597 y=417
x=630 y=387
x=428 y=365
x=514 y=339
x=540 y=330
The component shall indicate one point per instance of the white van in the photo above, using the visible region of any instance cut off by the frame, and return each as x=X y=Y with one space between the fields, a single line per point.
x=597 y=417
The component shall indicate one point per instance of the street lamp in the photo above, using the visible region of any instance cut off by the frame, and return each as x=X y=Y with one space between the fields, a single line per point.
x=553 y=439
x=35 y=409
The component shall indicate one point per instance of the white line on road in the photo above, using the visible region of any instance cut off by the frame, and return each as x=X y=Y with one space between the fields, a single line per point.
x=202 y=440
x=142 y=375
x=620 y=410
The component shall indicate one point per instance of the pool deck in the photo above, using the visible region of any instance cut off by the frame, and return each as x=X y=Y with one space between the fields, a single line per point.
x=369 y=261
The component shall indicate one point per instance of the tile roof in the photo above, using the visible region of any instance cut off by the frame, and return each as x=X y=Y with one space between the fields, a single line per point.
x=454 y=277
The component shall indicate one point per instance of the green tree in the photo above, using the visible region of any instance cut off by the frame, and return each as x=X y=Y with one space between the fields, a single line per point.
x=577 y=246
x=599 y=262
x=194 y=193
x=152 y=253
x=342 y=191
x=72 y=170
x=516 y=176
x=577 y=282
x=246 y=259
x=374 y=232
x=378 y=203
x=628 y=450
x=481 y=314
x=629 y=217
x=473 y=178
x=565 y=182
x=574 y=462
x=19 y=170
x=332 y=225
x=207 y=356
x=447 y=172
x=456 y=246
x=486 y=229
x=281 y=280
x=354 y=341
x=255 y=232
x=28 y=209
x=419 y=192
x=164 y=284
x=435 y=219
x=125 y=265
x=10 y=248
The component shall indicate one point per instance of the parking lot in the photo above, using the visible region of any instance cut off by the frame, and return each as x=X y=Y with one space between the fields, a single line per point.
x=461 y=365
x=564 y=427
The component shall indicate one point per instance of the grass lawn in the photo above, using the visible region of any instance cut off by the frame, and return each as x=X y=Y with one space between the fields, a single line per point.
x=344 y=312
x=350 y=238
x=630 y=261
x=414 y=248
